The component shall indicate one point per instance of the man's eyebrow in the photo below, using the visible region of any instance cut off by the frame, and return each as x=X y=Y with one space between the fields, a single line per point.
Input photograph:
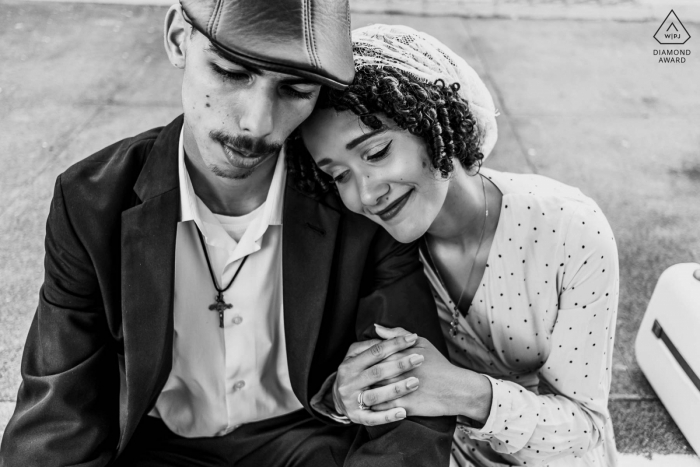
x=362 y=138
x=291 y=81
x=219 y=53
x=300 y=81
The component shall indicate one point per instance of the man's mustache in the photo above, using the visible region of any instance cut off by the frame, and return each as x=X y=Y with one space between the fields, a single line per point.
x=246 y=145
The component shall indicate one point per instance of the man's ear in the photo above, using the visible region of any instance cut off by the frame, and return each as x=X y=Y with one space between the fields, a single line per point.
x=175 y=35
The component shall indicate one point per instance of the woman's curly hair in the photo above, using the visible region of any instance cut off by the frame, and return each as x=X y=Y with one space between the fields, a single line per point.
x=433 y=111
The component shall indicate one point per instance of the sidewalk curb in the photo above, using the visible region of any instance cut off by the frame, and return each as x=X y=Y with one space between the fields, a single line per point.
x=669 y=460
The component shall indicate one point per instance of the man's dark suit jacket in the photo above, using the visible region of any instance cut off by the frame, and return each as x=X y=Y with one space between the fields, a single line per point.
x=99 y=348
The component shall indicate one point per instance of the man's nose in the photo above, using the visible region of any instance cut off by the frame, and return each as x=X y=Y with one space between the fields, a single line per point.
x=371 y=191
x=257 y=113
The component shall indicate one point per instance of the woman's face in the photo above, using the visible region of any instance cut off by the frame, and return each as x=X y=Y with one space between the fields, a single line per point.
x=383 y=174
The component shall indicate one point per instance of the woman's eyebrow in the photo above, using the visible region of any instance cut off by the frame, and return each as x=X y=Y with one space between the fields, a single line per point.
x=362 y=138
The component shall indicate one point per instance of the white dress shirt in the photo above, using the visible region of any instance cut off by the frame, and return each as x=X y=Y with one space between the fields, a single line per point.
x=224 y=377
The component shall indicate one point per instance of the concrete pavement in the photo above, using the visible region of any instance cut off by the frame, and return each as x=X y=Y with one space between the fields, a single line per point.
x=585 y=102
x=620 y=10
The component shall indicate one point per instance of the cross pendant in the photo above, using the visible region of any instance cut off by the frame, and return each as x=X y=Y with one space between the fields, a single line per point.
x=220 y=306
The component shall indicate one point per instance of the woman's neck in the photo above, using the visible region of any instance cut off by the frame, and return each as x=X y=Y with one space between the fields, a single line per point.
x=461 y=218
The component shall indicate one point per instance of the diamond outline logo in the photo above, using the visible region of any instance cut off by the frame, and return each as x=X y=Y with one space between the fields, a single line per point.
x=672 y=25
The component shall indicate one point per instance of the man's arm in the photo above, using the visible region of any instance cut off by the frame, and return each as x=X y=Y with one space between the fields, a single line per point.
x=399 y=296
x=67 y=409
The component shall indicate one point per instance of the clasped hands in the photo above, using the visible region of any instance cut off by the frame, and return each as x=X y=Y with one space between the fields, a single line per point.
x=399 y=375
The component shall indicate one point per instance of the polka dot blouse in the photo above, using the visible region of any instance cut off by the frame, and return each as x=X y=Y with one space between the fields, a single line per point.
x=541 y=328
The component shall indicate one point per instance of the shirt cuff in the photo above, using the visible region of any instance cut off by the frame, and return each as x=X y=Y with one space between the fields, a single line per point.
x=322 y=402
x=512 y=417
x=495 y=422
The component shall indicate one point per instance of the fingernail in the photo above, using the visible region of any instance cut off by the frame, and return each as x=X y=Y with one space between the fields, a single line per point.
x=416 y=359
x=401 y=415
x=379 y=325
x=412 y=383
x=411 y=338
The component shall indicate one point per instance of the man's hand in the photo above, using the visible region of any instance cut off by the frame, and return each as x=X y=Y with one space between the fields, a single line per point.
x=365 y=365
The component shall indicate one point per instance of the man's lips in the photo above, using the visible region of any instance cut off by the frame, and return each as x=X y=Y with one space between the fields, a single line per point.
x=241 y=153
x=241 y=159
x=394 y=208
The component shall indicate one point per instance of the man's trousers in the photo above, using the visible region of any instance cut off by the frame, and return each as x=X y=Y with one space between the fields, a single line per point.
x=292 y=440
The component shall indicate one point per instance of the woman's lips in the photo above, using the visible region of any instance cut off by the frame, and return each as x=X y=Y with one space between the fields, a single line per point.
x=394 y=208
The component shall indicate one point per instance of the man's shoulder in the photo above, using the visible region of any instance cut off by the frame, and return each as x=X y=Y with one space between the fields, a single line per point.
x=113 y=161
x=331 y=199
x=97 y=189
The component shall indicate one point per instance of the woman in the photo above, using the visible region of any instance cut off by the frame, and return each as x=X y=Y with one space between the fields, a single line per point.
x=523 y=268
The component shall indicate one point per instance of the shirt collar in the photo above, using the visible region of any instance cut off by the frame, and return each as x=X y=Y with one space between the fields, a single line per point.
x=193 y=209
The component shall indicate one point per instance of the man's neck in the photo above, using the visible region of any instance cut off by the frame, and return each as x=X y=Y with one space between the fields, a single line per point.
x=227 y=196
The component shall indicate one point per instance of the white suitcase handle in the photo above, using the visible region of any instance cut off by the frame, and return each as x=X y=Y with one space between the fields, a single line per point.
x=660 y=334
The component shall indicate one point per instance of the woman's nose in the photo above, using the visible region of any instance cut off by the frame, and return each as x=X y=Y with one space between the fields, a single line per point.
x=371 y=191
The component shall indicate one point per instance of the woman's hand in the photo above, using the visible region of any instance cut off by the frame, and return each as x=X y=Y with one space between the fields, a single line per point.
x=445 y=389
x=365 y=365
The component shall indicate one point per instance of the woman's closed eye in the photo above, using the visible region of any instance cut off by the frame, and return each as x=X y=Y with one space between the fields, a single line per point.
x=376 y=157
x=379 y=155
x=342 y=177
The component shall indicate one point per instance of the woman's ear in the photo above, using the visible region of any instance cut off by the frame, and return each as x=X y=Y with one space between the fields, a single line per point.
x=175 y=35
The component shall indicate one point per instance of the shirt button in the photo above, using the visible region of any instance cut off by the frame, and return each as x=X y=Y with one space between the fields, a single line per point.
x=237 y=320
x=239 y=385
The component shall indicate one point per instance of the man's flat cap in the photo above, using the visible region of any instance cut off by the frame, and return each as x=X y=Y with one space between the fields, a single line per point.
x=307 y=38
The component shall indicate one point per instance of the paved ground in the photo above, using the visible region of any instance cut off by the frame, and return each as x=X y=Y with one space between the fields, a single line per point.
x=582 y=101
x=621 y=10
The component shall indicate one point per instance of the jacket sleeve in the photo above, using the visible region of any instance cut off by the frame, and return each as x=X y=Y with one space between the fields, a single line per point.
x=399 y=296
x=67 y=410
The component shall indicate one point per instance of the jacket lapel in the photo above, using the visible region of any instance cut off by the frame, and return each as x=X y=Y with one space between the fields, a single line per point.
x=148 y=237
x=308 y=244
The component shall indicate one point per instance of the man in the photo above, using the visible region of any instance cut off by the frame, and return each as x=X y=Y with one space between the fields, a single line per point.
x=194 y=300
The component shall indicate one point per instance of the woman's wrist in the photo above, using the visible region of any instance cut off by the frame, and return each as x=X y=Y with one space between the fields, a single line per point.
x=474 y=395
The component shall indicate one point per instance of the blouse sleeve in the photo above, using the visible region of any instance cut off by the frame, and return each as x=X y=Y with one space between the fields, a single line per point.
x=570 y=414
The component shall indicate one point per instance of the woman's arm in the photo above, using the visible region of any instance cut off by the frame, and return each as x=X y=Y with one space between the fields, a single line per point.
x=572 y=418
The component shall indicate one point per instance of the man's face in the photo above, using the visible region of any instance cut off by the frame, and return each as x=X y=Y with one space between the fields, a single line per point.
x=236 y=116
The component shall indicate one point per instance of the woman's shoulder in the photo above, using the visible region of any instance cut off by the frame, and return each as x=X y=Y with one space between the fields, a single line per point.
x=538 y=190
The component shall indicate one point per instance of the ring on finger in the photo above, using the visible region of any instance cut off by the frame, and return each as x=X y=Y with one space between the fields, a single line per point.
x=361 y=402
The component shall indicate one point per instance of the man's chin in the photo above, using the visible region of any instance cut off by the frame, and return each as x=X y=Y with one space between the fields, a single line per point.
x=232 y=173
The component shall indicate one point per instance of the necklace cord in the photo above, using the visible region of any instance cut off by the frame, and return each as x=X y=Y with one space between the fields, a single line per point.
x=478 y=248
x=211 y=271
x=456 y=312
